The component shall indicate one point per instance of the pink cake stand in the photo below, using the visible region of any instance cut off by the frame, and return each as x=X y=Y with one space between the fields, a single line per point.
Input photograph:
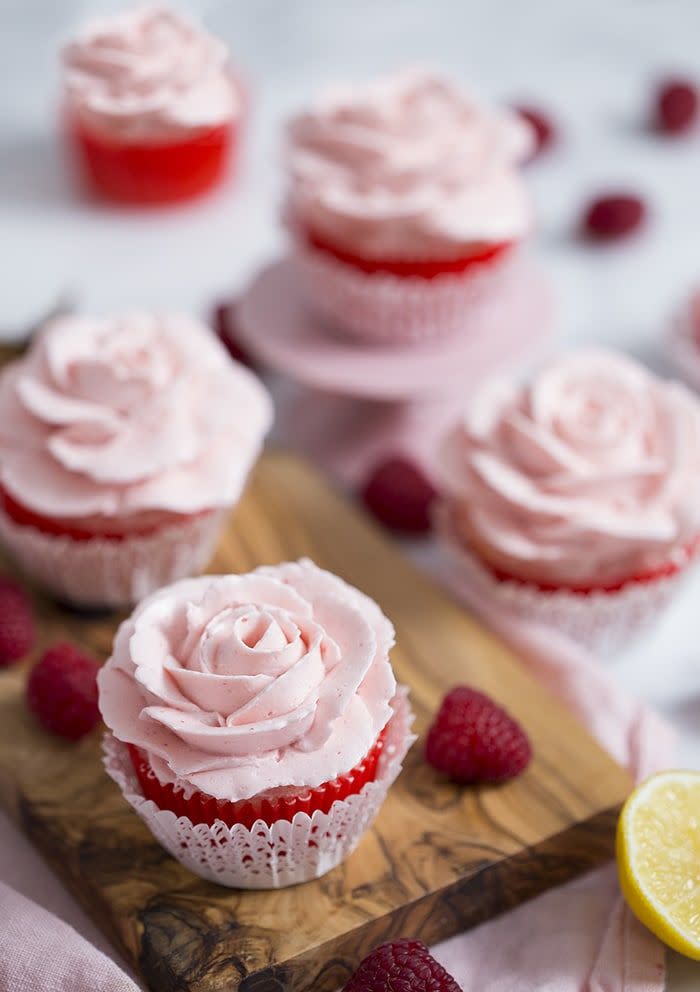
x=353 y=404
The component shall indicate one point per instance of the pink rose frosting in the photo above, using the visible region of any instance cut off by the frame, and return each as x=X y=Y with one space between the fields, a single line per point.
x=587 y=475
x=148 y=73
x=408 y=167
x=118 y=416
x=241 y=684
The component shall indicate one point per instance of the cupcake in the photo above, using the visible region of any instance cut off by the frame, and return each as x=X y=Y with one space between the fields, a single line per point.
x=124 y=441
x=254 y=721
x=405 y=204
x=152 y=106
x=572 y=500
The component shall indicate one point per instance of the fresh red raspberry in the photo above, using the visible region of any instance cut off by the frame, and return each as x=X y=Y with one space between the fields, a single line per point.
x=62 y=692
x=675 y=106
x=401 y=966
x=474 y=740
x=542 y=125
x=224 y=321
x=613 y=216
x=16 y=622
x=400 y=496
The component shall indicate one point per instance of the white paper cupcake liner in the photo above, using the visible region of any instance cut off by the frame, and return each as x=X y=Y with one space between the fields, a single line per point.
x=269 y=856
x=99 y=572
x=603 y=622
x=387 y=308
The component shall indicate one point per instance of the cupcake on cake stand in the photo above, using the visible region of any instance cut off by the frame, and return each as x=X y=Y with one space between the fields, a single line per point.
x=405 y=284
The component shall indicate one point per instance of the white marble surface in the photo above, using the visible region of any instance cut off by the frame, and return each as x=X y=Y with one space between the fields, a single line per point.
x=591 y=62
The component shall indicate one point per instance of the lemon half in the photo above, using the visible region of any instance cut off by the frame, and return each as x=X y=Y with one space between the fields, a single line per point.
x=658 y=858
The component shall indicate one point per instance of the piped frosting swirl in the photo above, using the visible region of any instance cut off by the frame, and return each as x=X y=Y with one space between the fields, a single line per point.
x=588 y=474
x=237 y=685
x=118 y=416
x=149 y=74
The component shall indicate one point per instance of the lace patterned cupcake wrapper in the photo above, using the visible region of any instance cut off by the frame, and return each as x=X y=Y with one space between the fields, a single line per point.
x=269 y=856
x=104 y=573
x=601 y=621
x=387 y=308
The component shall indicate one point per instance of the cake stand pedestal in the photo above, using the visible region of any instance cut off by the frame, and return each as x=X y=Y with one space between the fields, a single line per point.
x=348 y=404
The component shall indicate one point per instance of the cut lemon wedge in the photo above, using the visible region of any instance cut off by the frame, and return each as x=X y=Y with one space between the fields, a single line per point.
x=658 y=858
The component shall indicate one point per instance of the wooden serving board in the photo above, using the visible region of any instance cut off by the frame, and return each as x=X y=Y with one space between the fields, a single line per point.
x=439 y=859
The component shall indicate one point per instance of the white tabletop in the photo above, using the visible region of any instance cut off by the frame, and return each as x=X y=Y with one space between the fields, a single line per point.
x=590 y=62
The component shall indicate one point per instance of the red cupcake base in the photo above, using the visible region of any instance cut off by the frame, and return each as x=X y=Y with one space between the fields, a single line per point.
x=479 y=256
x=664 y=571
x=72 y=529
x=148 y=174
x=604 y=619
x=99 y=570
x=201 y=808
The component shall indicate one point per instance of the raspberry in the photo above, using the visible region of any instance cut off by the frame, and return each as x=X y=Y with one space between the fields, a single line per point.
x=401 y=966
x=16 y=622
x=475 y=740
x=224 y=321
x=613 y=216
x=542 y=125
x=676 y=106
x=400 y=496
x=62 y=692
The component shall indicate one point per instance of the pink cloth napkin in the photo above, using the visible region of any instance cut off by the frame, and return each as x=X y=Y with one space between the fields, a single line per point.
x=41 y=953
x=578 y=938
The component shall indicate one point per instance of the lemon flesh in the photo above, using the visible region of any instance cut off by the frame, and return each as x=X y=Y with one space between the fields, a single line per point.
x=658 y=858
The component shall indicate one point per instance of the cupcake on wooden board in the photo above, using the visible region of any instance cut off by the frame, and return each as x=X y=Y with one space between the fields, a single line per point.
x=405 y=204
x=572 y=499
x=124 y=441
x=152 y=105
x=254 y=721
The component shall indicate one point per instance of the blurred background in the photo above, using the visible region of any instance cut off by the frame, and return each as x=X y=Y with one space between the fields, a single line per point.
x=592 y=64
